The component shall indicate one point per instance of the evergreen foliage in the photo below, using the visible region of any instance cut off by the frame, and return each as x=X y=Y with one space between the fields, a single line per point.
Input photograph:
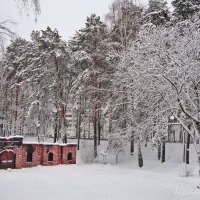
x=157 y=12
x=183 y=9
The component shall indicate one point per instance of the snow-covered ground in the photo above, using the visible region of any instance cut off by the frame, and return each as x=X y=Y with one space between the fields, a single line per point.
x=124 y=181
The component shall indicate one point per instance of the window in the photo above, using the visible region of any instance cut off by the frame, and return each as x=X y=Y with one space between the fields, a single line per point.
x=50 y=157
x=69 y=156
x=29 y=157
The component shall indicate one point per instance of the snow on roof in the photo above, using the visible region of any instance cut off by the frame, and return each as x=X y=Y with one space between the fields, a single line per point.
x=10 y=137
x=68 y=144
x=33 y=140
x=7 y=150
x=31 y=143
x=48 y=143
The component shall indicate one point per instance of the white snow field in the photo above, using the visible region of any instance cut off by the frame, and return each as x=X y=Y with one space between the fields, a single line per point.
x=124 y=181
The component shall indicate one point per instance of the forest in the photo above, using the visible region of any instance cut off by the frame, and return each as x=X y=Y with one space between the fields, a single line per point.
x=130 y=78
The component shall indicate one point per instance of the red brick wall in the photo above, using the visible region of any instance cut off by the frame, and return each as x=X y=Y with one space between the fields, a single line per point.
x=18 y=158
x=34 y=155
x=68 y=149
x=41 y=152
x=55 y=149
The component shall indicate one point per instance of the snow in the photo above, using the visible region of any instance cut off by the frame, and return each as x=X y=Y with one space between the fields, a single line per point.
x=49 y=141
x=30 y=142
x=10 y=137
x=68 y=144
x=7 y=150
x=124 y=181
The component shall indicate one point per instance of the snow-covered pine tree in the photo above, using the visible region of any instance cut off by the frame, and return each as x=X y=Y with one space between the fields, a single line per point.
x=53 y=78
x=15 y=72
x=37 y=77
x=157 y=13
x=90 y=48
x=183 y=9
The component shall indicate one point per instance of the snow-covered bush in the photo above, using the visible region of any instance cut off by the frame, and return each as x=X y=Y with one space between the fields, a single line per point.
x=115 y=148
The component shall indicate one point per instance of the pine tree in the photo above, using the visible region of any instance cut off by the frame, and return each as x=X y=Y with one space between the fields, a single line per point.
x=14 y=68
x=157 y=12
x=89 y=46
x=183 y=9
x=37 y=76
x=53 y=66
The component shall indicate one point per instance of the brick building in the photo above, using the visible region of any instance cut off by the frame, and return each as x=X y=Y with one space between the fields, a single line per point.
x=16 y=154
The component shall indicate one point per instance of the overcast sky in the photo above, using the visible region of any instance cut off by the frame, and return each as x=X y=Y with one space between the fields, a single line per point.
x=65 y=15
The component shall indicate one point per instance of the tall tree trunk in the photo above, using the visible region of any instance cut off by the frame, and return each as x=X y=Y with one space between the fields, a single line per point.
x=38 y=125
x=169 y=130
x=98 y=114
x=163 y=150
x=63 y=122
x=16 y=106
x=140 y=158
x=55 y=135
x=95 y=112
x=184 y=148
x=11 y=118
x=56 y=129
x=79 y=121
x=99 y=127
x=110 y=120
x=79 y=128
x=65 y=139
x=89 y=127
x=95 y=132
x=5 y=111
x=132 y=143
x=188 y=147
x=60 y=97
x=159 y=150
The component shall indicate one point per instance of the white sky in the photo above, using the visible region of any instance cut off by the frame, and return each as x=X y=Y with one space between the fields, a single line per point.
x=65 y=15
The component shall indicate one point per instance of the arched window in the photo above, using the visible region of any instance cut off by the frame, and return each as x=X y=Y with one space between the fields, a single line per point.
x=69 y=156
x=50 y=157
x=29 y=157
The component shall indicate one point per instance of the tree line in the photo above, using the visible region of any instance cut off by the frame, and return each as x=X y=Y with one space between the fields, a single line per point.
x=130 y=79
